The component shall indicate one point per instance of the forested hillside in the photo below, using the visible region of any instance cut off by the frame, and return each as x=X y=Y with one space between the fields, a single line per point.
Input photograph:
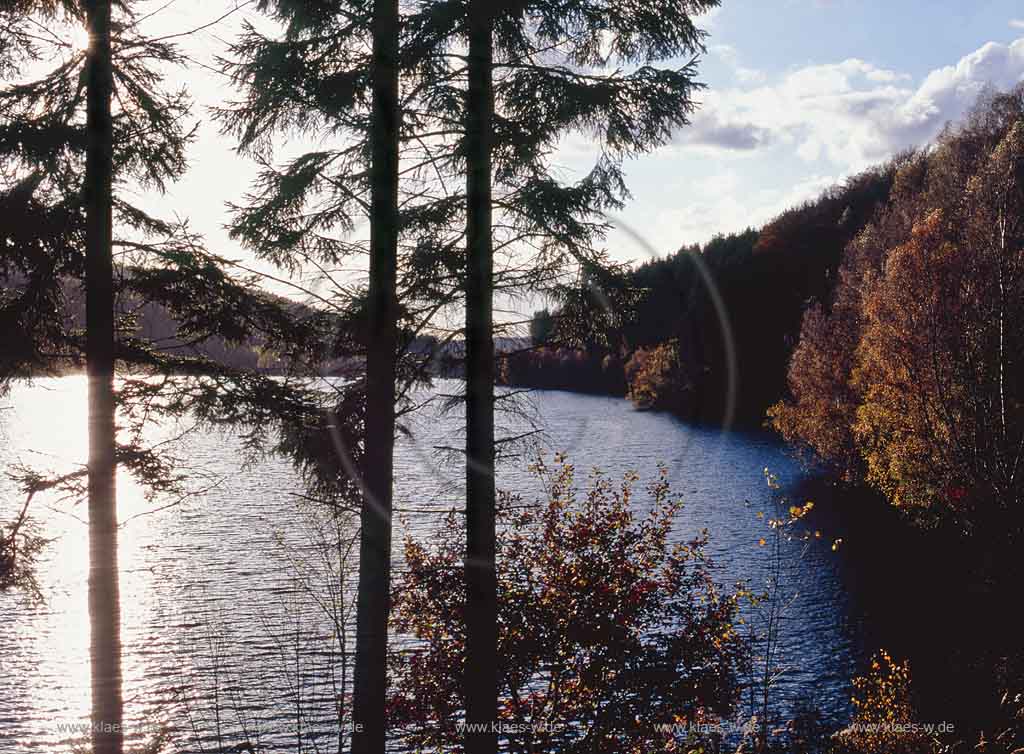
x=673 y=353
x=765 y=280
x=151 y=322
x=723 y=321
x=909 y=376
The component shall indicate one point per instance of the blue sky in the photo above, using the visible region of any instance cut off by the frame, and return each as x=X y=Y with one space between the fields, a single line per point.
x=913 y=36
x=801 y=94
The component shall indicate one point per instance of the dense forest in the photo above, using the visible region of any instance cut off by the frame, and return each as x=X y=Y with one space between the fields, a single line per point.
x=726 y=319
x=877 y=328
x=675 y=352
x=406 y=160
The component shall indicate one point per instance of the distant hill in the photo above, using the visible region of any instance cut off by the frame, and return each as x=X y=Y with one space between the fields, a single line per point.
x=153 y=323
x=764 y=280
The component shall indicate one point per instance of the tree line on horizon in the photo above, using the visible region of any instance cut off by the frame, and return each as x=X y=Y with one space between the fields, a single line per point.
x=438 y=122
x=877 y=328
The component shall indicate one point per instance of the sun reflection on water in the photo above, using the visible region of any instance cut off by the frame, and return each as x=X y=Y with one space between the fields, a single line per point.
x=210 y=575
x=46 y=428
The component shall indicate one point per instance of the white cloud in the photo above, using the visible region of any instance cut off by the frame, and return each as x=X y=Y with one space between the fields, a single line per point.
x=721 y=207
x=1016 y=23
x=851 y=113
x=948 y=92
x=750 y=75
x=754 y=151
x=728 y=55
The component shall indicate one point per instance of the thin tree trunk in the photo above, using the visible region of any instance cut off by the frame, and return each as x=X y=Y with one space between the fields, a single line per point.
x=374 y=597
x=481 y=674
x=104 y=598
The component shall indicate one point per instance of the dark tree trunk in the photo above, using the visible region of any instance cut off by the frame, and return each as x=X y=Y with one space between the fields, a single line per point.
x=104 y=598
x=481 y=674
x=374 y=598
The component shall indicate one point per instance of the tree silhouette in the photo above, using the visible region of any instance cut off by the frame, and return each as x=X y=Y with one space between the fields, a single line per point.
x=536 y=71
x=355 y=89
x=481 y=662
x=375 y=547
x=73 y=143
x=104 y=593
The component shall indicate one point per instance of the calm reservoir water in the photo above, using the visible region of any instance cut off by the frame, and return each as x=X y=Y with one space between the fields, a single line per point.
x=223 y=593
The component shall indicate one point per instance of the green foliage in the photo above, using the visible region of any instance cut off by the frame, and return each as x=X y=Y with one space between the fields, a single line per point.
x=313 y=79
x=162 y=270
x=606 y=630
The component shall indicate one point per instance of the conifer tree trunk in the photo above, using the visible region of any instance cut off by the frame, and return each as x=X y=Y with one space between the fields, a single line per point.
x=374 y=597
x=104 y=598
x=481 y=675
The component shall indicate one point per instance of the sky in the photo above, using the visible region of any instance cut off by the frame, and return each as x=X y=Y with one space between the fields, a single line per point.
x=800 y=94
x=804 y=93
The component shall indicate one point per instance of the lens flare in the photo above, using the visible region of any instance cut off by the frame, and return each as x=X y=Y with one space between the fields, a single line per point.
x=79 y=39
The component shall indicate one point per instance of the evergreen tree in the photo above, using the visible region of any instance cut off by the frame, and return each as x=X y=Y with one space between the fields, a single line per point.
x=343 y=88
x=104 y=592
x=536 y=71
x=374 y=596
x=541 y=327
x=550 y=73
x=481 y=666
x=97 y=122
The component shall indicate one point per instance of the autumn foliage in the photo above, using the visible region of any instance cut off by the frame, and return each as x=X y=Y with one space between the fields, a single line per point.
x=912 y=377
x=608 y=632
x=884 y=719
x=655 y=377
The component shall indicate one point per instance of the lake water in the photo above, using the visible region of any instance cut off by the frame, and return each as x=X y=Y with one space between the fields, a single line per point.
x=223 y=593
